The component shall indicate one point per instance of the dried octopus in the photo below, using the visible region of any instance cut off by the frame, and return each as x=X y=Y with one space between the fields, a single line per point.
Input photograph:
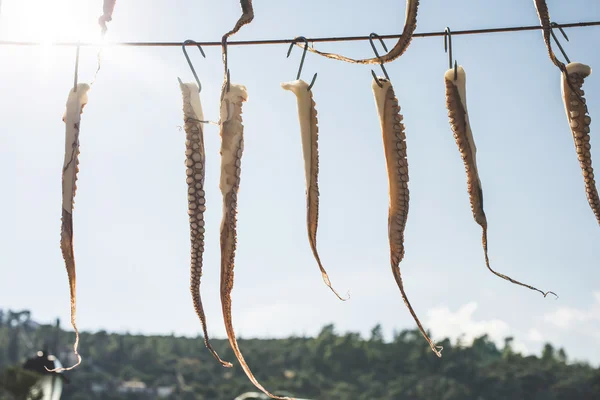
x=195 y=173
x=394 y=143
x=232 y=148
x=456 y=103
x=573 y=76
x=77 y=100
x=579 y=120
x=410 y=24
x=309 y=130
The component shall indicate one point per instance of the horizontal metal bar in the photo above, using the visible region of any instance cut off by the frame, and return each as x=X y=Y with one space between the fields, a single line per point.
x=312 y=40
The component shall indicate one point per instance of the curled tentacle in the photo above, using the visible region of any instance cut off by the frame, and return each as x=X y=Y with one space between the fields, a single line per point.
x=410 y=24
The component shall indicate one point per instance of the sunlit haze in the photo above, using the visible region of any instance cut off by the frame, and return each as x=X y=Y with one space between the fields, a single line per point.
x=131 y=229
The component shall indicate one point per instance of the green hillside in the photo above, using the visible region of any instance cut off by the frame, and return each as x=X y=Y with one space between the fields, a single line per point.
x=330 y=366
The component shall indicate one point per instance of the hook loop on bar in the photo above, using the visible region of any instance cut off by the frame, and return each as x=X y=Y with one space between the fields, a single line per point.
x=555 y=25
x=371 y=36
x=187 y=57
x=448 y=49
x=227 y=74
x=76 y=76
x=302 y=59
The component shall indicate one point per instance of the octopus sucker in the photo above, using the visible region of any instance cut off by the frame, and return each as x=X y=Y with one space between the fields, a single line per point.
x=77 y=100
x=232 y=148
x=410 y=24
x=309 y=131
x=195 y=173
x=544 y=16
x=456 y=103
x=579 y=121
x=394 y=144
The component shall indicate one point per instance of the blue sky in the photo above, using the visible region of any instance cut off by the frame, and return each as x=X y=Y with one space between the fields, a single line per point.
x=131 y=229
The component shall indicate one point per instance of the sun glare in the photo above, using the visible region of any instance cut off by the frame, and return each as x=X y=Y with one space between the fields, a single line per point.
x=51 y=21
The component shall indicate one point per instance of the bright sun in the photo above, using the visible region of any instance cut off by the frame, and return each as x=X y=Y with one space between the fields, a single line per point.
x=50 y=21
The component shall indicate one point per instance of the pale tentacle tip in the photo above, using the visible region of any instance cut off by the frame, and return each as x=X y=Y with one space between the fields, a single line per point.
x=437 y=350
x=226 y=364
x=59 y=370
x=343 y=298
x=548 y=292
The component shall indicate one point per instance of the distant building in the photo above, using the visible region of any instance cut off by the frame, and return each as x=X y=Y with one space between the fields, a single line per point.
x=261 y=396
x=133 y=386
x=99 y=388
x=164 y=391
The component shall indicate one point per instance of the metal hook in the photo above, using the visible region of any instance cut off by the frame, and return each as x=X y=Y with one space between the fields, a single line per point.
x=227 y=74
x=555 y=25
x=302 y=60
x=187 y=57
x=448 y=49
x=76 y=77
x=371 y=36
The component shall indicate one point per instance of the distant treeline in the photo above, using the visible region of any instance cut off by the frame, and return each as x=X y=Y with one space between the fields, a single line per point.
x=329 y=366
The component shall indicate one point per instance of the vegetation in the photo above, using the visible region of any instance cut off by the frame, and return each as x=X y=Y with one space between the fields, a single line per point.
x=329 y=366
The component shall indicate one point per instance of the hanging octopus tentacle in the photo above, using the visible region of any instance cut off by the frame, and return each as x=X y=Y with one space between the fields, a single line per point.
x=456 y=103
x=232 y=147
x=579 y=121
x=309 y=130
x=195 y=173
x=410 y=24
x=394 y=143
x=76 y=102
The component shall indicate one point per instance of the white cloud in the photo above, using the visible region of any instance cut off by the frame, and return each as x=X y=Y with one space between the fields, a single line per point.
x=534 y=335
x=445 y=323
x=582 y=321
x=276 y=320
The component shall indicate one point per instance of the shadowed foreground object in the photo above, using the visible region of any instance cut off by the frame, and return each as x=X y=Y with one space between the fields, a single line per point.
x=50 y=384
